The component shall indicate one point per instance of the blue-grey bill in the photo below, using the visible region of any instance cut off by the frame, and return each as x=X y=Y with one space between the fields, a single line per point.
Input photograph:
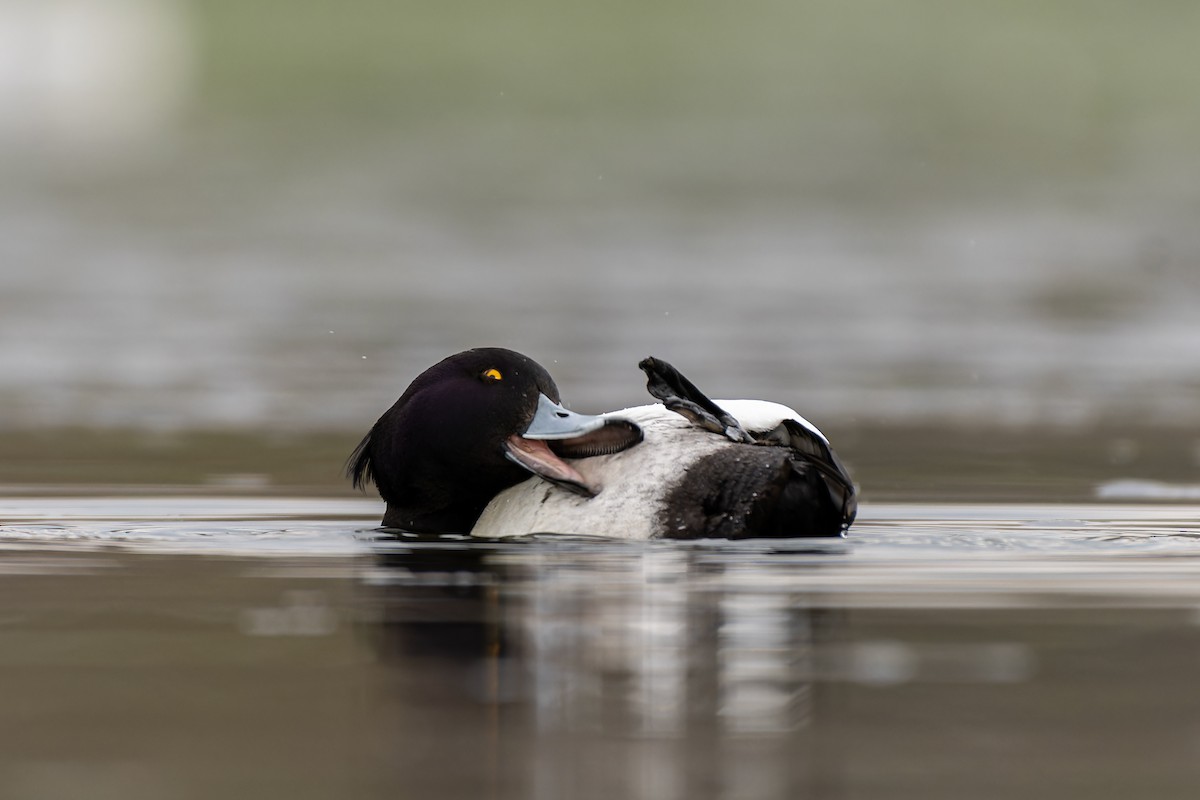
x=552 y=421
x=555 y=433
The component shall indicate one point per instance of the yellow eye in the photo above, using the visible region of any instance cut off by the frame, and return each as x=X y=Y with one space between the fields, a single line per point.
x=492 y=374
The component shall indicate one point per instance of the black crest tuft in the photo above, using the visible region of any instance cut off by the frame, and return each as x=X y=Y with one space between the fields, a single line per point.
x=358 y=466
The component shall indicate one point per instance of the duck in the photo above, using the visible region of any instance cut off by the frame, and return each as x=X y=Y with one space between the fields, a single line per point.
x=481 y=444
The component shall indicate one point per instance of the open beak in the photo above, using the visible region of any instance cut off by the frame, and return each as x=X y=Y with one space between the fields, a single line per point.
x=556 y=433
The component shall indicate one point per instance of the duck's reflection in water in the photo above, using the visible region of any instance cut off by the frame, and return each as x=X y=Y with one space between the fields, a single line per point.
x=578 y=669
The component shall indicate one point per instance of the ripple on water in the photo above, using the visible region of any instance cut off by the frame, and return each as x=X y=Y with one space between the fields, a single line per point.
x=915 y=550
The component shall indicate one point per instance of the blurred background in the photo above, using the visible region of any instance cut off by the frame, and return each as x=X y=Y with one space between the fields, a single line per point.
x=227 y=223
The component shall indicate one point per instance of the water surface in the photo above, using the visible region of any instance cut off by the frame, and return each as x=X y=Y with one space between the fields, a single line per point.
x=187 y=647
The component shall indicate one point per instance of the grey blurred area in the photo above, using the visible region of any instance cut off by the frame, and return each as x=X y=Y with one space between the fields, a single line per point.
x=272 y=215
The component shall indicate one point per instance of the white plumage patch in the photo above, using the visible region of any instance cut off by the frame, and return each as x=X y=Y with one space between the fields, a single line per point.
x=759 y=416
x=635 y=482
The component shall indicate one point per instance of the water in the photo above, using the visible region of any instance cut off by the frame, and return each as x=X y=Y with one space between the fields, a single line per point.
x=179 y=647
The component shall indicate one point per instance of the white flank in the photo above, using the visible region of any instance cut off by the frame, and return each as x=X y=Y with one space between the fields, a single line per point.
x=634 y=483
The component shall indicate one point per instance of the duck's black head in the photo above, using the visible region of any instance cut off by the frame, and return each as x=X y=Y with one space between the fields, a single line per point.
x=469 y=427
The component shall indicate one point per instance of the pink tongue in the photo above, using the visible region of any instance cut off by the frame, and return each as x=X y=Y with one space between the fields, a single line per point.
x=535 y=455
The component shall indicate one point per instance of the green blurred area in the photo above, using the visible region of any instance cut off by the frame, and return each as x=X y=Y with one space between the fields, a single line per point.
x=862 y=98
